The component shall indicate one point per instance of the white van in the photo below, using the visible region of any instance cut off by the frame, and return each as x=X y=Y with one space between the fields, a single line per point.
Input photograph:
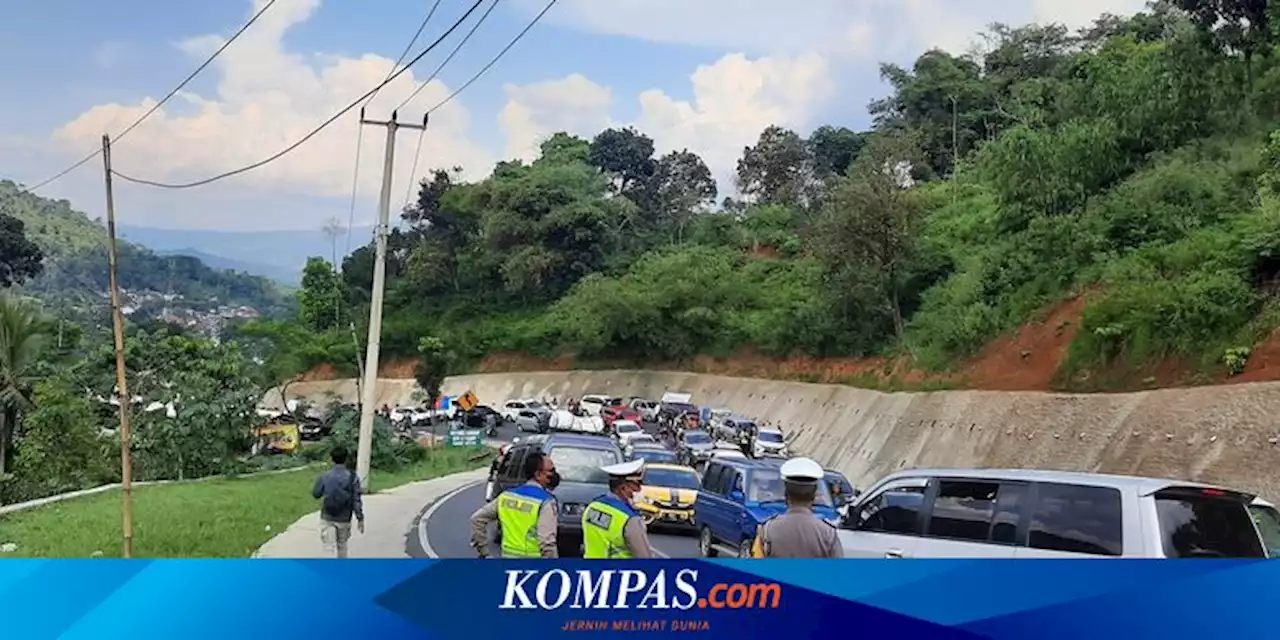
x=1017 y=513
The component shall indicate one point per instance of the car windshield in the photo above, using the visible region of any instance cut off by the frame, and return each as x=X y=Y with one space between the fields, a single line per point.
x=765 y=485
x=1196 y=525
x=1268 y=521
x=578 y=464
x=769 y=436
x=697 y=437
x=672 y=478
x=654 y=455
x=682 y=407
x=627 y=427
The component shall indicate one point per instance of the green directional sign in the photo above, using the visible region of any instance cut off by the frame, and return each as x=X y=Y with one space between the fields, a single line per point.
x=466 y=438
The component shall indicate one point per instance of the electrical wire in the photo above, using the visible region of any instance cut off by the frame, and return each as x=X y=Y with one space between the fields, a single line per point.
x=495 y=59
x=314 y=132
x=417 y=152
x=165 y=99
x=456 y=49
x=355 y=173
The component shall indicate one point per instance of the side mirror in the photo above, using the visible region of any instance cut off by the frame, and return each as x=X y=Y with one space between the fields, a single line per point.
x=736 y=496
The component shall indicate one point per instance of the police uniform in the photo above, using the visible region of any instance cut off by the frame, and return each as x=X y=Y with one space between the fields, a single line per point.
x=798 y=532
x=611 y=528
x=527 y=517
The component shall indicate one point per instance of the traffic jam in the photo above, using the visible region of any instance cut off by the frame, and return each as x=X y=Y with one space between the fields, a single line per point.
x=718 y=475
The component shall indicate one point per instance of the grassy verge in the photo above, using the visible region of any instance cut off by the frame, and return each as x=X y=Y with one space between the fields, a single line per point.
x=225 y=517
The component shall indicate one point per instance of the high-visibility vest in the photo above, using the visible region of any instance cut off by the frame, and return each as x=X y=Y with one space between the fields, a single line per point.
x=602 y=525
x=518 y=509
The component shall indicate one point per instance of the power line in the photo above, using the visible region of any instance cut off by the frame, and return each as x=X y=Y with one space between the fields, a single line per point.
x=495 y=59
x=312 y=134
x=417 y=152
x=165 y=99
x=355 y=173
x=427 y=81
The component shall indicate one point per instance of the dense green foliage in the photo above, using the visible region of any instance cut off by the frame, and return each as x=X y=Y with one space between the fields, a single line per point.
x=1133 y=159
x=76 y=247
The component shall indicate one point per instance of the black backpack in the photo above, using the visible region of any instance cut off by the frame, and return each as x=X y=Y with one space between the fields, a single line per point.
x=343 y=500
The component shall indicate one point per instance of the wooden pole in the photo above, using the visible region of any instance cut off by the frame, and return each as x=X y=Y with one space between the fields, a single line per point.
x=122 y=383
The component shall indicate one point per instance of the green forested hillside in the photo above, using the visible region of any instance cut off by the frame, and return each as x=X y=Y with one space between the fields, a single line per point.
x=1136 y=160
x=77 y=260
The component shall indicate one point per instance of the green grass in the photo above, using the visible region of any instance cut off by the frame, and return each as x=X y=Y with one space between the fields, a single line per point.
x=224 y=517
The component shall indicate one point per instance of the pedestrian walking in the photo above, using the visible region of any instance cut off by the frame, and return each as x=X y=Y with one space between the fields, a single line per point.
x=340 y=489
x=526 y=514
x=611 y=528
x=798 y=532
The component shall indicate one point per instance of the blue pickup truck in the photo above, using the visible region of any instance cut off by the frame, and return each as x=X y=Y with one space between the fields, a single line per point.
x=736 y=497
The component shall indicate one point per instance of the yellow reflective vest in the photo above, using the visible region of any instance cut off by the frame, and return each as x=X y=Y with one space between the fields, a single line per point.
x=602 y=528
x=518 y=516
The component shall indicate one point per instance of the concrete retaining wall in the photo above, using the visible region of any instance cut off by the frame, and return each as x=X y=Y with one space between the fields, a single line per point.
x=1223 y=434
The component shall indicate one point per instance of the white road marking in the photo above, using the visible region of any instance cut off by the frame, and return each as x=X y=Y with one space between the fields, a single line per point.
x=426 y=515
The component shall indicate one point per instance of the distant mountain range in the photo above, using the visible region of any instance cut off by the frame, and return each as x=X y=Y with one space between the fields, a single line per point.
x=279 y=255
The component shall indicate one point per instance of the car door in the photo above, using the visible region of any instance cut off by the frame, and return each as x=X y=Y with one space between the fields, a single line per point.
x=887 y=524
x=972 y=518
x=710 y=498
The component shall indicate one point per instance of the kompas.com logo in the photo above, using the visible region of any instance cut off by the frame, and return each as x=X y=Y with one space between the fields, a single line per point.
x=614 y=589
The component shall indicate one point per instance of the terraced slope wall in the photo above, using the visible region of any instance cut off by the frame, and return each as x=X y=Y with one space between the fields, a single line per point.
x=1222 y=434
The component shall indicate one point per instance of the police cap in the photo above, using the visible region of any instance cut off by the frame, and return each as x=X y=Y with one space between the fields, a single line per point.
x=801 y=470
x=630 y=470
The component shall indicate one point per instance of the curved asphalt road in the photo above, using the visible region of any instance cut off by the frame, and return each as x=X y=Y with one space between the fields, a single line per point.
x=445 y=528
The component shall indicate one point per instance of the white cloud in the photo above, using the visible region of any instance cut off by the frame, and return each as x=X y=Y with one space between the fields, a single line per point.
x=266 y=98
x=734 y=99
x=534 y=111
x=879 y=29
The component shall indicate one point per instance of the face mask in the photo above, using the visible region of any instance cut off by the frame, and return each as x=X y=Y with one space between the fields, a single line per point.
x=553 y=480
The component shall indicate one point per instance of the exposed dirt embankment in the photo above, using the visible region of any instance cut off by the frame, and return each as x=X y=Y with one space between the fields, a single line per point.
x=1224 y=434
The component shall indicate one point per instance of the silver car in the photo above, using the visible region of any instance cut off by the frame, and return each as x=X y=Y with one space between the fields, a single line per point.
x=1017 y=513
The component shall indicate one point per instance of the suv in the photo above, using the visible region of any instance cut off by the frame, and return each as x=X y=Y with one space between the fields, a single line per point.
x=694 y=448
x=737 y=495
x=578 y=458
x=1018 y=513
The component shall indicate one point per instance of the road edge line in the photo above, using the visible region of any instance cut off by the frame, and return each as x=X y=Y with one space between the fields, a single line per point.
x=426 y=515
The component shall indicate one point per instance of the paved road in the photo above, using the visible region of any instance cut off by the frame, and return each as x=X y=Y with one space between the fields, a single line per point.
x=447 y=530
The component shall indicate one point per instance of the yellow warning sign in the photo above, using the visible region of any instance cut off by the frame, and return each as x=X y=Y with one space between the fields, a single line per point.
x=468 y=401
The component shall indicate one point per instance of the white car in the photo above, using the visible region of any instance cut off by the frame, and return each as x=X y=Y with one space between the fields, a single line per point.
x=421 y=415
x=648 y=408
x=769 y=442
x=512 y=408
x=592 y=403
x=640 y=440
x=982 y=513
x=625 y=430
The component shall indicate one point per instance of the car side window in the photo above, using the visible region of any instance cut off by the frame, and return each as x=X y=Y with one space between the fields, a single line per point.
x=894 y=510
x=514 y=462
x=963 y=510
x=1078 y=519
x=711 y=480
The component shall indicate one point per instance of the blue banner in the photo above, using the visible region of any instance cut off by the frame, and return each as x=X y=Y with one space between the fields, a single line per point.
x=776 y=599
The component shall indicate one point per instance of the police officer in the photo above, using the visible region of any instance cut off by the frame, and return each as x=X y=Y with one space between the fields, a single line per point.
x=526 y=514
x=611 y=528
x=798 y=533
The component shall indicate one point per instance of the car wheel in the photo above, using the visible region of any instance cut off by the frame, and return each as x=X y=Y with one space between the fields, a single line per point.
x=744 y=549
x=705 y=543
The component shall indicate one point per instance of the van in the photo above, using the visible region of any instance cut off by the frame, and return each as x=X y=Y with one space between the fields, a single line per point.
x=578 y=459
x=736 y=496
x=1018 y=513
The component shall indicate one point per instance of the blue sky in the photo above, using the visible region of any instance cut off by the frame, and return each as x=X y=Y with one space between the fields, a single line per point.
x=703 y=74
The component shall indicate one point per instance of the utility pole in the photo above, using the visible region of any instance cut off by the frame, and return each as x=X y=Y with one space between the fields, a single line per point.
x=369 y=389
x=122 y=382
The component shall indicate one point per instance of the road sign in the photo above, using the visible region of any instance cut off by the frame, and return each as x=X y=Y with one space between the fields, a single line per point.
x=465 y=438
x=468 y=400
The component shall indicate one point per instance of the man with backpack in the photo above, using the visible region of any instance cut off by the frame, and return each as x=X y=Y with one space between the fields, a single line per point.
x=340 y=488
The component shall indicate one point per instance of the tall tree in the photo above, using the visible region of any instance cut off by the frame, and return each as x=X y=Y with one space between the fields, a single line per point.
x=1233 y=25
x=625 y=155
x=682 y=185
x=320 y=298
x=777 y=170
x=432 y=367
x=834 y=149
x=23 y=334
x=20 y=258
